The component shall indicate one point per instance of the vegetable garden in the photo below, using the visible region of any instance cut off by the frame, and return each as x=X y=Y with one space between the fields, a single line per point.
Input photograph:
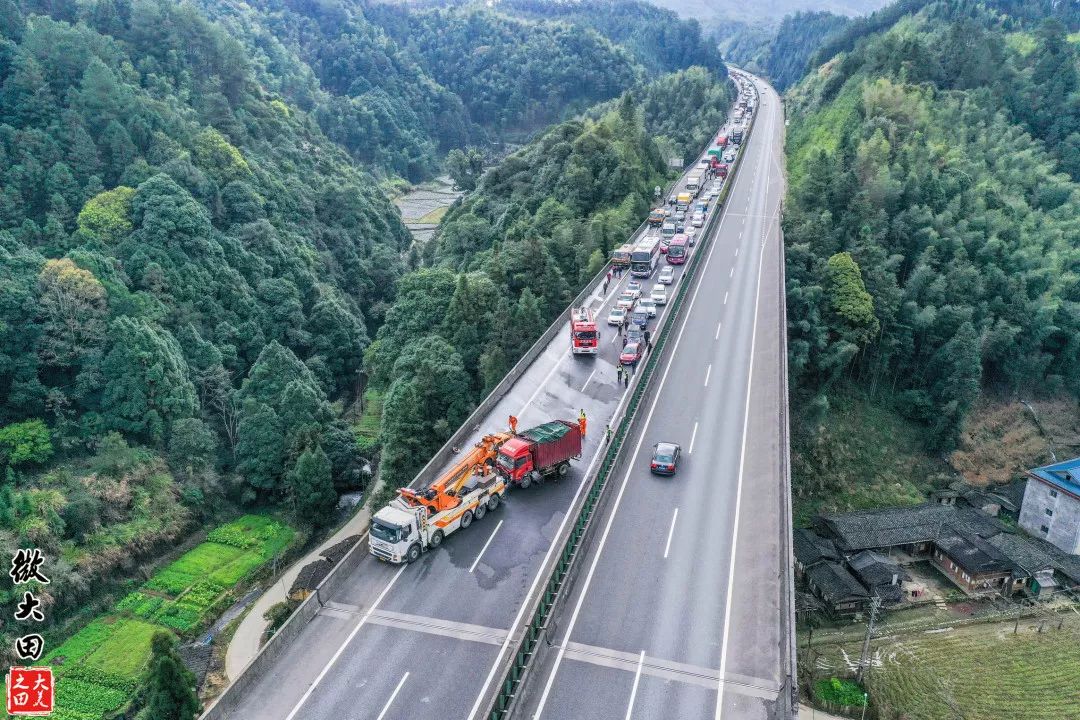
x=98 y=668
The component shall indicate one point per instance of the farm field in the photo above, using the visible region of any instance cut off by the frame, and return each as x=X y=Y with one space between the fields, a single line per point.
x=981 y=668
x=98 y=668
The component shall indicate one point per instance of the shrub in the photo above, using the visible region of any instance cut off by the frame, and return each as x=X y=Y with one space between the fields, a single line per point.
x=839 y=692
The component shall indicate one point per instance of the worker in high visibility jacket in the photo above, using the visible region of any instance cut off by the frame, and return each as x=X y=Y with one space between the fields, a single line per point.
x=581 y=422
x=513 y=425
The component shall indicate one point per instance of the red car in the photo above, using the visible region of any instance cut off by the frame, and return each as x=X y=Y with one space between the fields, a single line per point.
x=631 y=353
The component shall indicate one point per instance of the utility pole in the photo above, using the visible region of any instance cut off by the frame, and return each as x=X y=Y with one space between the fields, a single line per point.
x=864 y=658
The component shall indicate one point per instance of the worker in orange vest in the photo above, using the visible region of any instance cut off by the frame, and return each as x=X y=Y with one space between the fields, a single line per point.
x=513 y=425
x=581 y=422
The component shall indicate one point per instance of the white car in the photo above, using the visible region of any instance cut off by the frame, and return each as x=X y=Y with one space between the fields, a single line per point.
x=625 y=301
x=648 y=306
x=634 y=288
x=729 y=156
x=659 y=294
x=617 y=316
x=666 y=276
x=714 y=193
x=691 y=237
x=698 y=220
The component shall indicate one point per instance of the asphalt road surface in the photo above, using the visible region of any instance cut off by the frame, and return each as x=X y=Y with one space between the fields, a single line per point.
x=422 y=641
x=676 y=610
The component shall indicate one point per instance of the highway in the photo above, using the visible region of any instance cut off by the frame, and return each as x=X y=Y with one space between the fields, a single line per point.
x=424 y=640
x=678 y=609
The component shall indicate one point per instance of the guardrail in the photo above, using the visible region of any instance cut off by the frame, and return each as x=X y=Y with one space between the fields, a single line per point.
x=518 y=663
x=298 y=620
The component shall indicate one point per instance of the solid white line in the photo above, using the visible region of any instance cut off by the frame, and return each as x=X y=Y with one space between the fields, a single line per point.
x=718 y=326
x=693 y=436
x=483 y=549
x=614 y=509
x=742 y=463
x=340 y=650
x=543 y=383
x=633 y=691
x=671 y=532
x=386 y=708
x=587 y=381
x=708 y=372
x=725 y=298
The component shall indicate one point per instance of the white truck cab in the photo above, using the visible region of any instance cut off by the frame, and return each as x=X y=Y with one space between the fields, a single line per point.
x=401 y=531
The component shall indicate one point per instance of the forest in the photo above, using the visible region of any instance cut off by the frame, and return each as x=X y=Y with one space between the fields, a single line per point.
x=200 y=269
x=931 y=222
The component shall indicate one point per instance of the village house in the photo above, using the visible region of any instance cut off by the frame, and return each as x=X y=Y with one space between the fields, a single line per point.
x=1051 y=507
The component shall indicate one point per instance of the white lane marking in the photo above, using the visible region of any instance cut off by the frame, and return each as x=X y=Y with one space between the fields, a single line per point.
x=725 y=298
x=718 y=326
x=732 y=273
x=587 y=381
x=708 y=372
x=542 y=385
x=693 y=436
x=671 y=532
x=386 y=708
x=547 y=556
x=484 y=549
x=633 y=691
x=737 y=249
x=340 y=650
x=740 y=237
x=614 y=511
x=742 y=461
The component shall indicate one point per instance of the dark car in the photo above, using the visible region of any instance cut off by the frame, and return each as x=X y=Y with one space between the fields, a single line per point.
x=631 y=353
x=635 y=334
x=665 y=458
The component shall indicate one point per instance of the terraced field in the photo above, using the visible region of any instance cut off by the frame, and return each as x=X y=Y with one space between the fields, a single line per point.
x=984 y=670
x=98 y=668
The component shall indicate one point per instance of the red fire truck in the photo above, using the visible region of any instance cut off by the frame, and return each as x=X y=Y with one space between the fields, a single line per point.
x=584 y=337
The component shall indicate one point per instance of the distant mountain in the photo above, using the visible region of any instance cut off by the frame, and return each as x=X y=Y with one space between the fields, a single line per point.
x=765 y=10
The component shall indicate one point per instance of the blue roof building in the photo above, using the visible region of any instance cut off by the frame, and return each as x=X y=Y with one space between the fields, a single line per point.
x=1051 y=508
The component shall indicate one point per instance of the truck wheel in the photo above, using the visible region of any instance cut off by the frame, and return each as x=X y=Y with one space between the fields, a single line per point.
x=525 y=482
x=436 y=539
x=563 y=469
x=493 y=502
x=413 y=554
x=537 y=477
x=466 y=519
x=480 y=511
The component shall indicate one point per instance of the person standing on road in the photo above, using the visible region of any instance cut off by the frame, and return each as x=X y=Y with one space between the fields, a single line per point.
x=605 y=284
x=607 y=435
x=626 y=378
x=581 y=422
x=513 y=425
x=648 y=341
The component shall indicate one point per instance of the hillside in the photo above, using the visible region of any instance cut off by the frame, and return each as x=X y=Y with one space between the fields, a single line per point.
x=931 y=222
x=766 y=10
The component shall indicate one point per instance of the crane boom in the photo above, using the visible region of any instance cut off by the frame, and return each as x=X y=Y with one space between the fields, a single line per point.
x=442 y=494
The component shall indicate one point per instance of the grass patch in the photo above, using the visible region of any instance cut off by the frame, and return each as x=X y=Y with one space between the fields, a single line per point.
x=370 y=422
x=983 y=669
x=861 y=454
x=98 y=668
x=434 y=217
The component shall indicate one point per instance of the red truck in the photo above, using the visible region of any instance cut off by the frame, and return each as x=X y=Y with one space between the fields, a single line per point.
x=584 y=337
x=531 y=455
x=722 y=139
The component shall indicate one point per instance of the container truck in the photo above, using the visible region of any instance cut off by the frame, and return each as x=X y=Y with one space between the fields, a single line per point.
x=534 y=454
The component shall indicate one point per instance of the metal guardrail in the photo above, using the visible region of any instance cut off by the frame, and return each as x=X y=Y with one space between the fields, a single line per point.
x=519 y=662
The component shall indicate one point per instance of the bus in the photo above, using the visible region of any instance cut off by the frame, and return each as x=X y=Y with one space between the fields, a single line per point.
x=645 y=257
x=621 y=256
x=676 y=252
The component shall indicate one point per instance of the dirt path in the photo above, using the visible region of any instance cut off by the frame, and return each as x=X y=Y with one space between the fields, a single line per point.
x=247 y=640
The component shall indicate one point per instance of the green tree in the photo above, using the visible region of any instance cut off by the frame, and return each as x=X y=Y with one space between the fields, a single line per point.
x=107 y=215
x=260 y=446
x=311 y=486
x=168 y=687
x=147 y=386
x=851 y=304
x=192 y=446
x=25 y=442
x=465 y=167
